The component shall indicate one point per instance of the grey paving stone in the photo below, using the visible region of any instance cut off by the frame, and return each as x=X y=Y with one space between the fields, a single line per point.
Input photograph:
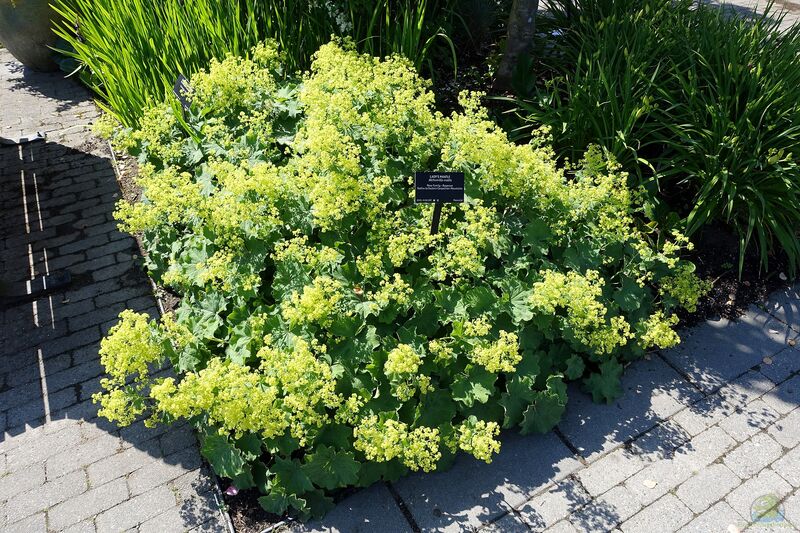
x=606 y=512
x=554 y=504
x=788 y=467
x=766 y=483
x=659 y=442
x=509 y=523
x=81 y=455
x=784 y=304
x=747 y=388
x=121 y=464
x=716 y=352
x=787 y=430
x=88 y=504
x=33 y=524
x=370 y=509
x=135 y=511
x=721 y=517
x=753 y=455
x=178 y=439
x=666 y=515
x=791 y=510
x=41 y=498
x=84 y=526
x=708 y=486
x=745 y=422
x=563 y=527
x=473 y=492
x=663 y=476
x=22 y=480
x=157 y=473
x=785 y=397
x=782 y=365
x=653 y=392
x=609 y=470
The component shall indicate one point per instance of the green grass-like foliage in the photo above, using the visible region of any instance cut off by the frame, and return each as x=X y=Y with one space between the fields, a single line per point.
x=699 y=104
x=132 y=51
x=325 y=338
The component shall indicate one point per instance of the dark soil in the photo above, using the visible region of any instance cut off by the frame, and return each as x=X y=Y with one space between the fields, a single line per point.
x=248 y=516
x=716 y=255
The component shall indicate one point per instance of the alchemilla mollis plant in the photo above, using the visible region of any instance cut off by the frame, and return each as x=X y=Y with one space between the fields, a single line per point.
x=325 y=338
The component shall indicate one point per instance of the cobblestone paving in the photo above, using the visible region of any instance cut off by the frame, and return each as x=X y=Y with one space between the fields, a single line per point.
x=791 y=8
x=62 y=468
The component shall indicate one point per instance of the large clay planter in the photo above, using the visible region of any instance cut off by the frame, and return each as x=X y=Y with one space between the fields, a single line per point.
x=25 y=30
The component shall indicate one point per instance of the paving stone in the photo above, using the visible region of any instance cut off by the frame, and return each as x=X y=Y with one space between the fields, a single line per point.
x=81 y=455
x=747 y=388
x=88 y=504
x=785 y=397
x=472 y=492
x=33 y=524
x=653 y=392
x=606 y=512
x=744 y=499
x=721 y=517
x=654 y=481
x=708 y=486
x=563 y=527
x=156 y=473
x=554 y=504
x=84 y=526
x=135 y=511
x=788 y=467
x=371 y=509
x=787 y=430
x=791 y=511
x=782 y=365
x=716 y=352
x=170 y=520
x=510 y=523
x=659 y=442
x=180 y=438
x=609 y=470
x=745 y=422
x=22 y=480
x=51 y=493
x=784 y=304
x=667 y=514
x=753 y=455
x=121 y=464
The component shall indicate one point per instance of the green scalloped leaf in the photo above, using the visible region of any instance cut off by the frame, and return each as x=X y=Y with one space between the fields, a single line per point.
x=605 y=386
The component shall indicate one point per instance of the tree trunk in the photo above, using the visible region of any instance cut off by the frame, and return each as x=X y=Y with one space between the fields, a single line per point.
x=521 y=27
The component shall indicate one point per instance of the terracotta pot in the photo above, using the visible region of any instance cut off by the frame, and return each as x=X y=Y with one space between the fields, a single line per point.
x=25 y=30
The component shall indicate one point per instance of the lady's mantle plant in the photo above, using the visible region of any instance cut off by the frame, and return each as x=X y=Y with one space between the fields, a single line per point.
x=325 y=338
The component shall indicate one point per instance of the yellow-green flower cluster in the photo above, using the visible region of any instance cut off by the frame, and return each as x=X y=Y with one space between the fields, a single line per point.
x=657 y=331
x=501 y=355
x=395 y=290
x=305 y=382
x=580 y=296
x=402 y=360
x=231 y=396
x=684 y=286
x=316 y=303
x=477 y=437
x=383 y=441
